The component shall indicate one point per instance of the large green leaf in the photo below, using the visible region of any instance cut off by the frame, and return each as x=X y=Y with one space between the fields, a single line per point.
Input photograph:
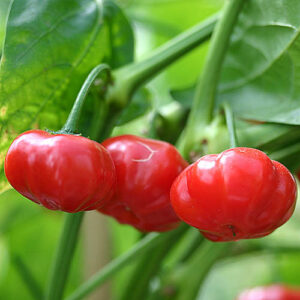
x=4 y=5
x=49 y=46
x=48 y=51
x=262 y=68
x=120 y=44
x=119 y=51
x=116 y=43
x=46 y=42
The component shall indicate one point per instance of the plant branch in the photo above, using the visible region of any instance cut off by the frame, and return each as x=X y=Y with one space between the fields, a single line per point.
x=200 y=263
x=195 y=241
x=129 y=78
x=145 y=271
x=63 y=257
x=204 y=100
x=149 y=242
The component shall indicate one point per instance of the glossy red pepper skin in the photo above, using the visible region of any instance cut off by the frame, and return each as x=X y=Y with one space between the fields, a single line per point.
x=59 y=171
x=145 y=170
x=273 y=292
x=238 y=194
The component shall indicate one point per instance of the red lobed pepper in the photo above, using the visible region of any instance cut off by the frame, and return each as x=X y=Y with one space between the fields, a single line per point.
x=273 y=292
x=237 y=194
x=60 y=171
x=145 y=170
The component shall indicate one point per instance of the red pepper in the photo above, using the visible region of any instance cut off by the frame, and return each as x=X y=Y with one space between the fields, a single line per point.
x=238 y=194
x=145 y=170
x=274 y=292
x=60 y=171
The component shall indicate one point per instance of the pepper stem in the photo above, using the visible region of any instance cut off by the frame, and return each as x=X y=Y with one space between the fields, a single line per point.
x=129 y=78
x=204 y=100
x=230 y=125
x=73 y=119
x=200 y=263
x=63 y=256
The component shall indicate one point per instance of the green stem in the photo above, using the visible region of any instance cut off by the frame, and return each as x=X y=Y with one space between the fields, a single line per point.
x=149 y=242
x=194 y=243
x=28 y=279
x=145 y=271
x=63 y=256
x=230 y=125
x=98 y=121
x=131 y=77
x=200 y=263
x=71 y=124
x=204 y=100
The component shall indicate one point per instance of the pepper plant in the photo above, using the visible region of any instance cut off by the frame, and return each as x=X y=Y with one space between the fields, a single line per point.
x=89 y=121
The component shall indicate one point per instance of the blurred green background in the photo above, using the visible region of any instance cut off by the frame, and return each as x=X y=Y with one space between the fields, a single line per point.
x=30 y=233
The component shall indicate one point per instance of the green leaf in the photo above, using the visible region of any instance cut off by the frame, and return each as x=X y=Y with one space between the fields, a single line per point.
x=119 y=50
x=45 y=44
x=116 y=42
x=120 y=35
x=50 y=46
x=4 y=6
x=262 y=68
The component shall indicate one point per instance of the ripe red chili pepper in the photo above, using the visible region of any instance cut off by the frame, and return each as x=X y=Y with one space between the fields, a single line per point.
x=273 y=292
x=238 y=194
x=145 y=170
x=60 y=171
